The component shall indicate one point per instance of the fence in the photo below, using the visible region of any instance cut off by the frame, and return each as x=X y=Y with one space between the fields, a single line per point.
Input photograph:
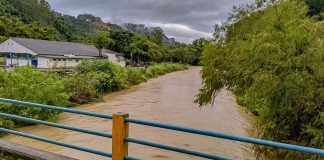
x=120 y=137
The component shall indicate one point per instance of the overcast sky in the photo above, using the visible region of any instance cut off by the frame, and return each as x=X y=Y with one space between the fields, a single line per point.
x=184 y=20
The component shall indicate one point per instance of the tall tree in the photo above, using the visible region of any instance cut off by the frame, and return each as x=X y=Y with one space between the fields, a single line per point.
x=157 y=36
x=102 y=41
x=271 y=57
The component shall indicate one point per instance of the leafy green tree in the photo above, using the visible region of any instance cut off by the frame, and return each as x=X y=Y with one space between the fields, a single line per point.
x=15 y=28
x=196 y=49
x=157 y=36
x=34 y=10
x=102 y=41
x=271 y=57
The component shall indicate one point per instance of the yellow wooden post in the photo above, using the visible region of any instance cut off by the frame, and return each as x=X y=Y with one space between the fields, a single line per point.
x=120 y=131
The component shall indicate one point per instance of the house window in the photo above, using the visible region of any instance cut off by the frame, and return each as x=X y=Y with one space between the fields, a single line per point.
x=77 y=60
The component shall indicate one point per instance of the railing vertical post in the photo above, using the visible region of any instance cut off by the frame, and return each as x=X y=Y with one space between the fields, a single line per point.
x=120 y=131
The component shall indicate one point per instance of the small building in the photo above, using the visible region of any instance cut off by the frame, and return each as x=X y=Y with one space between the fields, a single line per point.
x=44 y=54
x=114 y=57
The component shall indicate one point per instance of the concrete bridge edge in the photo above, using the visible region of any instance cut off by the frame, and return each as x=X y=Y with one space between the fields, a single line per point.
x=28 y=152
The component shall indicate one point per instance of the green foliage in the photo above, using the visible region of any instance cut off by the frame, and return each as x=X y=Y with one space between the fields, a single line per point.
x=141 y=45
x=196 y=49
x=95 y=77
x=189 y=54
x=151 y=32
x=68 y=31
x=34 y=10
x=85 y=88
x=141 y=50
x=68 y=28
x=102 y=41
x=272 y=59
x=110 y=70
x=13 y=27
x=135 y=47
x=157 y=36
x=26 y=84
x=91 y=79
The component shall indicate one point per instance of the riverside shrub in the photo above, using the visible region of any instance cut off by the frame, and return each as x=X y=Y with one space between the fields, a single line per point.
x=91 y=79
x=27 y=84
x=96 y=77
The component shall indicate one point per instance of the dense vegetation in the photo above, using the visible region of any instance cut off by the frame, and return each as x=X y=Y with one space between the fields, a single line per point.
x=91 y=79
x=270 y=54
x=154 y=33
x=141 y=50
x=142 y=45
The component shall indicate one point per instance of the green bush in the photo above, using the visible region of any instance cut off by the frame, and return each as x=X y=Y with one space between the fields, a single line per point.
x=85 y=88
x=134 y=76
x=26 y=84
x=102 y=66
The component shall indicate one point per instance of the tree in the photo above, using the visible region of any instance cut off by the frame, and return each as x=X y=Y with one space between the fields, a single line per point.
x=196 y=49
x=157 y=36
x=102 y=41
x=34 y=10
x=271 y=58
x=15 y=28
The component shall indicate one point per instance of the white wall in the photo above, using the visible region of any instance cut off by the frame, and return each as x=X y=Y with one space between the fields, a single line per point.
x=18 y=61
x=113 y=58
x=44 y=62
x=69 y=63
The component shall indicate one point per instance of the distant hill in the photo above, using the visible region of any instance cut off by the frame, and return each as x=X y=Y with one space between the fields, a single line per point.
x=147 y=31
x=69 y=28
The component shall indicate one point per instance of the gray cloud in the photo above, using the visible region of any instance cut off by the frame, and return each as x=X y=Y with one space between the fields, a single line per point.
x=184 y=20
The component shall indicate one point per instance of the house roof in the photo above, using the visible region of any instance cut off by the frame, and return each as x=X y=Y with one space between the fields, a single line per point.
x=44 y=47
x=112 y=52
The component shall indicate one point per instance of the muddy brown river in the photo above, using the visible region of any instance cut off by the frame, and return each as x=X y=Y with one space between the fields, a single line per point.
x=168 y=99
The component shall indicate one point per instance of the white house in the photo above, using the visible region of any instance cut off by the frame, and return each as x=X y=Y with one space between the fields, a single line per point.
x=44 y=54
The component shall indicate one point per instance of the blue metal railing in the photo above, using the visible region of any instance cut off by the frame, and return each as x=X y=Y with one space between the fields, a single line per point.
x=138 y=141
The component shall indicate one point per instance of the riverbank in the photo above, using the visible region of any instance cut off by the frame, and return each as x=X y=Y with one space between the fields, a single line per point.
x=91 y=80
x=168 y=99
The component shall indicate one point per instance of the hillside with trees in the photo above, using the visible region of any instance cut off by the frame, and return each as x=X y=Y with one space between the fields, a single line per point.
x=153 y=33
x=141 y=45
x=270 y=54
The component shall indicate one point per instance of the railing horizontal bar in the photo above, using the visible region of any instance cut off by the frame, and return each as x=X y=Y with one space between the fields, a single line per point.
x=131 y=158
x=175 y=149
x=101 y=153
x=30 y=104
x=228 y=136
x=30 y=120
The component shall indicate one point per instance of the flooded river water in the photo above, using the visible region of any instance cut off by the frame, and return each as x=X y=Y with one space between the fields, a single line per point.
x=168 y=99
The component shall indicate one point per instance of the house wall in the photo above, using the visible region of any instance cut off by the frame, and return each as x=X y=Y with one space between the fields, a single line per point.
x=69 y=63
x=113 y=58
x=17 y=59
x=44 y=62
